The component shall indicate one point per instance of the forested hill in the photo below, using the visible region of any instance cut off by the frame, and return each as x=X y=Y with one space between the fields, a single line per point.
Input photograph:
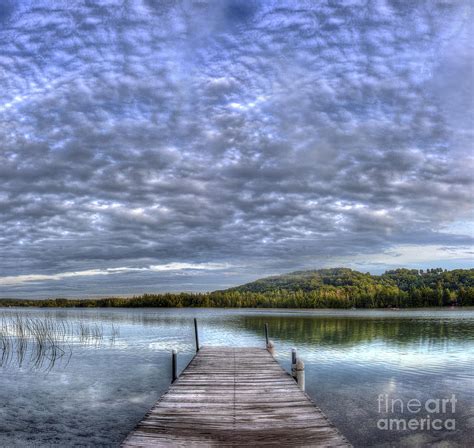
x=324 y=288
x=400 y=287
x=404 y=279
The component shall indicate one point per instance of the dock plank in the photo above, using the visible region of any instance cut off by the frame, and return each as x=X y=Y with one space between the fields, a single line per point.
x=230 y=397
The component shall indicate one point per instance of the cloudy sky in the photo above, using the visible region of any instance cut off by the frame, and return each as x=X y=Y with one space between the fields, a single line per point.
x=195 y=145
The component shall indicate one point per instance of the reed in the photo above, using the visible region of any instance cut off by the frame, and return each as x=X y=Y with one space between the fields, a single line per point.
x=41 y=342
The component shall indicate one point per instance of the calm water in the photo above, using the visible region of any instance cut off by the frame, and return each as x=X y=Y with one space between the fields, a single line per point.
x=96 y=393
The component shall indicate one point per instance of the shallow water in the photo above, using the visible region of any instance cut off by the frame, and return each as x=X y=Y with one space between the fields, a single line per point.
x=97 y=395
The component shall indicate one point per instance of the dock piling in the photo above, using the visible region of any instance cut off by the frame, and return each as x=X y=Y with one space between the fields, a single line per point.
x=196 y=335
x=266 y=334
x=300 y=379
x=293 y=363
x=174 y=365
x=271 y=348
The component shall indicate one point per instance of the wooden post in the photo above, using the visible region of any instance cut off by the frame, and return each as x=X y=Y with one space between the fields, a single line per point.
x=196 y=335
x=293 y=363
x=300 y=374
x=271 y=348
x=266 y=334
x=174 y=365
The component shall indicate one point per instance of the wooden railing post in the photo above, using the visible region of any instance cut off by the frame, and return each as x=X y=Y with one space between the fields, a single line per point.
x=266 y=334
x=196 y=335
x=174 y=365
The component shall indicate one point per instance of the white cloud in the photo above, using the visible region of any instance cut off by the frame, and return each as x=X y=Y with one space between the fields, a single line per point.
x=19 y=279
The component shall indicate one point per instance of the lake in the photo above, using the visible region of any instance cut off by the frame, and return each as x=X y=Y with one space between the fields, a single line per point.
x=115 y=363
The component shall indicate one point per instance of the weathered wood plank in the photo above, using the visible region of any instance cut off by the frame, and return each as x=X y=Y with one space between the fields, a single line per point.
x=231 y=397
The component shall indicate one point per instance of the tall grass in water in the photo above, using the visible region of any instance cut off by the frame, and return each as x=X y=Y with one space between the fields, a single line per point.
x=42 y=342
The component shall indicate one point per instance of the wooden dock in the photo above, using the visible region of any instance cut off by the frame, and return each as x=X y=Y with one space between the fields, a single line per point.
x=235 y=397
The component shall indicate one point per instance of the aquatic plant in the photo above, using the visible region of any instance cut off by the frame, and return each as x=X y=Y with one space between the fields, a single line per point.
x=40 y=342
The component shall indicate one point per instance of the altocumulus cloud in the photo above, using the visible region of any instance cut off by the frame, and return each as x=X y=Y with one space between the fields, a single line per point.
x=230 y=139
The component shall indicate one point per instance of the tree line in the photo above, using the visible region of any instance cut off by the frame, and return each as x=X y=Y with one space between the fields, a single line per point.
x=325 y=288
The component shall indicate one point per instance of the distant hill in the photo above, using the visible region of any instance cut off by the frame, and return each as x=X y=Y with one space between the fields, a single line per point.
x=404 y=279
x=307 y=280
